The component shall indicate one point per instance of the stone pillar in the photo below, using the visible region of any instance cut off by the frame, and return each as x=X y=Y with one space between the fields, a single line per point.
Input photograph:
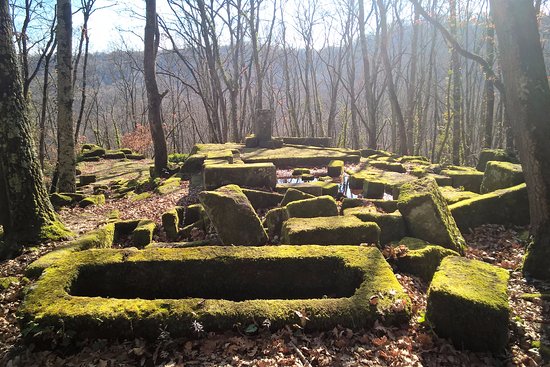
x=263 y=125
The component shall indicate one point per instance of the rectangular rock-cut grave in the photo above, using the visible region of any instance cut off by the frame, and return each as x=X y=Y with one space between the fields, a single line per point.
x=127 y=294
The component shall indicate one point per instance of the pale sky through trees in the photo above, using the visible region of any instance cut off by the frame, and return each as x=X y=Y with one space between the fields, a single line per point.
x=116 y=22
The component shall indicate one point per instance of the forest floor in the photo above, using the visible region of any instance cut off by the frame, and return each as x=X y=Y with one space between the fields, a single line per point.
x=412 y=344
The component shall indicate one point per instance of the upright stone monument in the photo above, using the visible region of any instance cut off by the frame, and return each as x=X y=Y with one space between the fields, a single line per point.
x=263 y=130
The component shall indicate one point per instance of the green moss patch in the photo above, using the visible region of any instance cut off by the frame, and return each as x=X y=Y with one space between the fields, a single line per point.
x=294 y=195
x=233 y=216
x=392 y=225
x=92 y=200
x=427 y=216
x=330 y=285
x=322 y=206
x=453 y=195
x=337 y=230
x=500 y=175
x=169 y=185
x=102 y=237
x=170 y=224
x=468 y=303
x=6 y=282
x=258 y=175
x=505 y=206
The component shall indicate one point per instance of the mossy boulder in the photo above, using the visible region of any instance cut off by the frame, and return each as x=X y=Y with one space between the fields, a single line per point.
x=193 y=213
x=169 y=185
x=421 y=258
x=91 y=150
x=505 y=206
x=142 y=235
x=500 y=175
x=468 y=303
x=387 y=206
x=322 y=206
x=92 y=200
x=299 y=156
x=124 y=228
x=335 y=168
x=453 y=195
x=170 y=223
x=59 y=200
x=441 y=179
x=392 y=225
x=257 y=175
x=413 y=159
x=274 y=220
x=125 y=294
x=251 y=141
x=487 y=155
x=427 y=216
x=193 y=164
x=114 y=154
x=307 y=187
x=373 y=188
x=464 y=177
x=102 y=237
x=536 y=261
x=337 y=230
x=294 y=195
x=233 y=216
x=263 y=199
x=366 y=153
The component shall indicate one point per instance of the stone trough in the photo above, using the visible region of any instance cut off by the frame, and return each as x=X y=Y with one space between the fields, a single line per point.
x=127 y=294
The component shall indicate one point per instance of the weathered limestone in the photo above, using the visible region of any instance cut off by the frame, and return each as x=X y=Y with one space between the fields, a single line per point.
x=336 y=230
x=263 y=125
x=427 y=216
x=505 y=206
x=392 y=225
x=233 y=216
x=500 y=175
x=421 y=258
x=468 y=178
x=468 y=303
x=143 y=234
x=274 y=220
x=263 y=199
x=453 y=195
x=487 y=155
x=249 y=175
x=322 y=206
x=294 y=195
x=335 y=168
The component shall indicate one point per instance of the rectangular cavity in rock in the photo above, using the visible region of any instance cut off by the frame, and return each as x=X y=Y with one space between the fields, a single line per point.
x=235 y=280
x=349 y=276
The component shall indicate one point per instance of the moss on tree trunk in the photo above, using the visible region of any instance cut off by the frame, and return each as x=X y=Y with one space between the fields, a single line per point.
x=26 y=212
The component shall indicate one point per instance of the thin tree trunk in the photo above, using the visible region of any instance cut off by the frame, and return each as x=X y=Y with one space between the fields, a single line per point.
x=396 y=108
x=457 y=94
x=489 y=89
x=66 y=155
x=154 y=99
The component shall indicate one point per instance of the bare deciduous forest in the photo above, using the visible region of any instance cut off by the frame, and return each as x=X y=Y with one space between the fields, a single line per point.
x=275 y=182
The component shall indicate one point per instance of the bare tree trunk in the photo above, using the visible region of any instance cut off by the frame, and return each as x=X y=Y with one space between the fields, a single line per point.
x=489 y=89
x=44 y=107
x=154 y=99
x=66 y=160
x=528 y=105
x=27 y=214
x=457 y=94
x=411 y=90
x=396 y=108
